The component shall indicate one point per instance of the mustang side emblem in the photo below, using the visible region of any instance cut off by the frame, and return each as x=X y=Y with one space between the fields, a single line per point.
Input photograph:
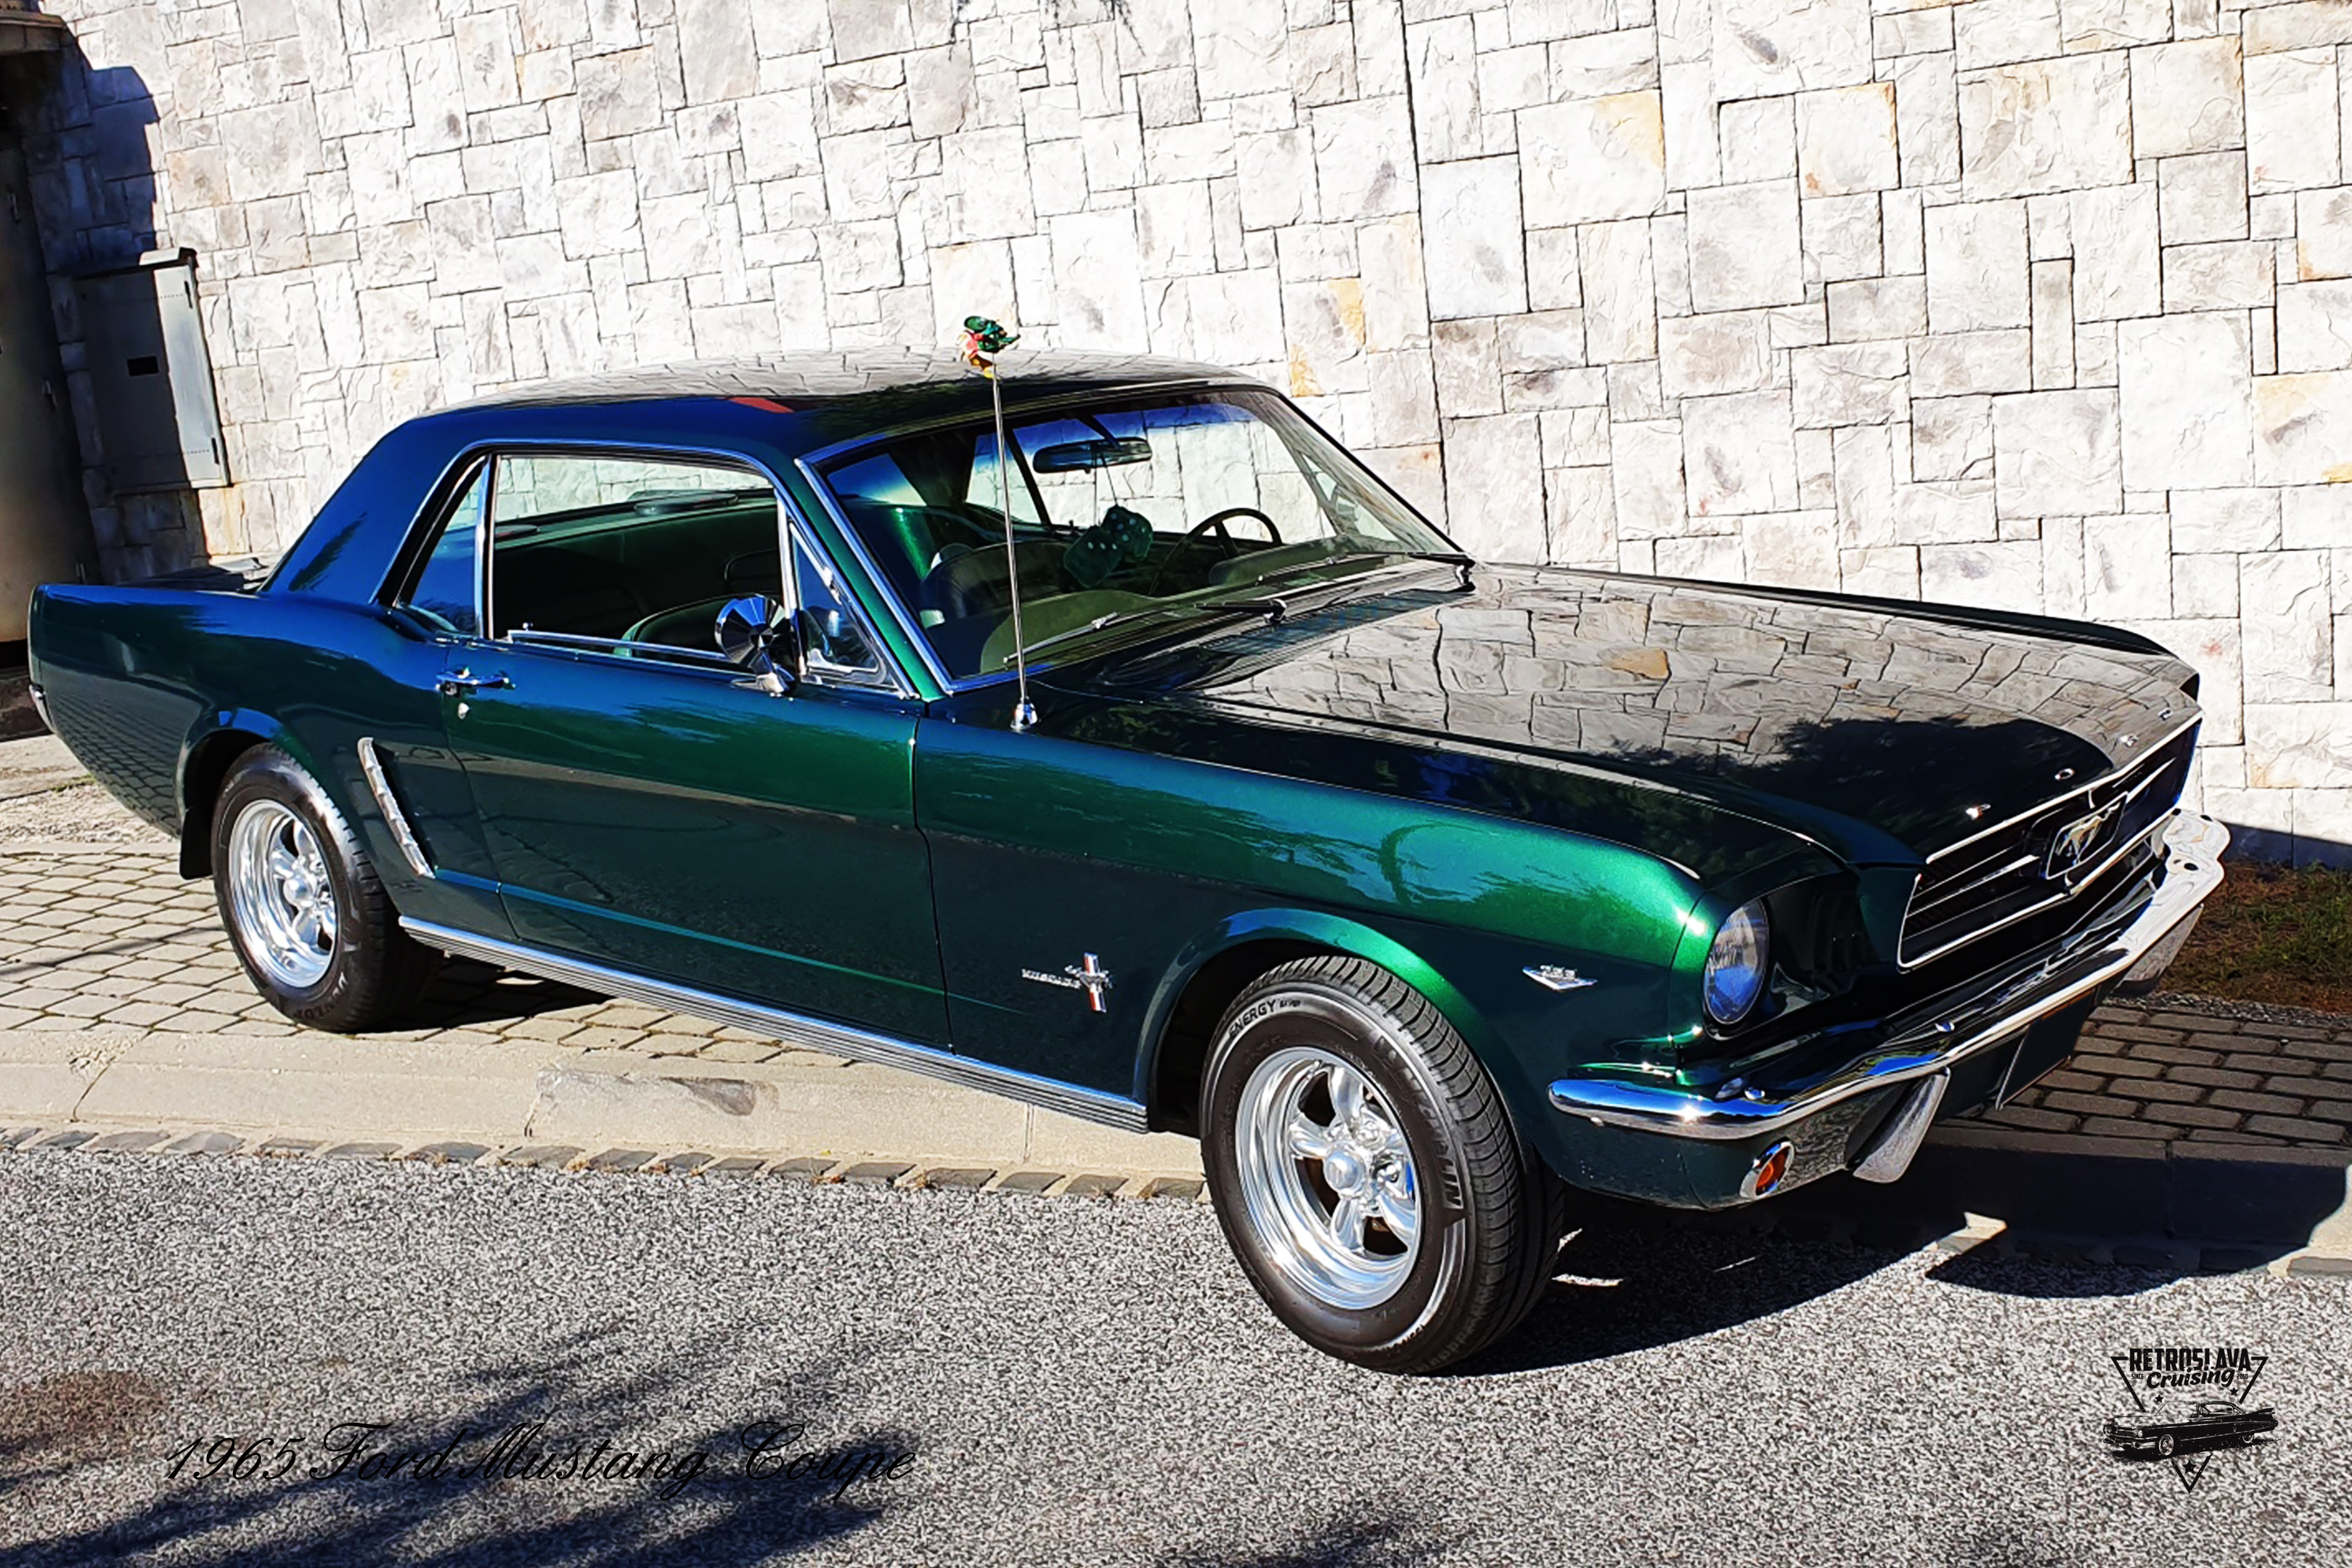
x=2077 y=840
x=1557 y=978
x=1093 y=979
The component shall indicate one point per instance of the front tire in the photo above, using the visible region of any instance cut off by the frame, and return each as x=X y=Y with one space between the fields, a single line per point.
x=1367 y=1175
x=309 y=917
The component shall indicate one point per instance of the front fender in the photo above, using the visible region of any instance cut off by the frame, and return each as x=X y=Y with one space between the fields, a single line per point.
x=1315 y=928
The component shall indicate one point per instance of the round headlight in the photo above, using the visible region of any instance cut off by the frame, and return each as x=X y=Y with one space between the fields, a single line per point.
x=1735 y=964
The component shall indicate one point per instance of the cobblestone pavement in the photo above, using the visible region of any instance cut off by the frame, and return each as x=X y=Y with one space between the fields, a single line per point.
x=111 y=937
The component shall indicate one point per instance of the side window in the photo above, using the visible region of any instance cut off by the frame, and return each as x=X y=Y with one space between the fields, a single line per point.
x=443 y=586
x=831 y=633
x=634 y=551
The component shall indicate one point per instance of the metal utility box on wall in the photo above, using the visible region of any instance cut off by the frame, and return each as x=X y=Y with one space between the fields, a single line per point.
x=150 y=375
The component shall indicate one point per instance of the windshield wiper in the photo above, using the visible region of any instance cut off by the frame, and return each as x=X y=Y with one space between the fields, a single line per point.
x=1125 y=617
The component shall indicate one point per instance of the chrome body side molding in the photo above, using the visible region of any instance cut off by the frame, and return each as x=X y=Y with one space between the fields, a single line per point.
x=386 y=802
x=793 y=1028
x=2193 y=846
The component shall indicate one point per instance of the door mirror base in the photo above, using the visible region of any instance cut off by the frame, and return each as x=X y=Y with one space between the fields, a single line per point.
x=756 y=634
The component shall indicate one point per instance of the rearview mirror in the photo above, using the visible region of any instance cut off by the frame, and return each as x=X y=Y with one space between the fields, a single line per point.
x=757 y=637
x=1076 y=456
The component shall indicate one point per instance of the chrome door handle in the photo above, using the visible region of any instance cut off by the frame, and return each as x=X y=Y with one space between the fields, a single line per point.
x=464 y=683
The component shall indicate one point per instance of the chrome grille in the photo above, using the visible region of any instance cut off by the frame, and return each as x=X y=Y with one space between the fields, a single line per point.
x=2077 y=842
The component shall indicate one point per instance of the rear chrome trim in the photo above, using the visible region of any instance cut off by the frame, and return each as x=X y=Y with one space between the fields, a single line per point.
x=2193 y=870
x=793 y=1028
x=387 y=803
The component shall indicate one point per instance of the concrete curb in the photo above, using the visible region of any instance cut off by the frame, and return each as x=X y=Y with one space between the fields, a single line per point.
x=513 y=1092
x=2112 y=1200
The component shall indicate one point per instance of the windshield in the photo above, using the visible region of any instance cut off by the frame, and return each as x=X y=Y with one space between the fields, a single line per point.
x=1138 y=508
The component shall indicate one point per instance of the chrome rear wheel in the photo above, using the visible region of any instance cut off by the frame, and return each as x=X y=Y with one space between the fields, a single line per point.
x=282 y=895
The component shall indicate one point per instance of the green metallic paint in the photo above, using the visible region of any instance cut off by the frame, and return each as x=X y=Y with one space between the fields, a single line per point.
x=897 y=864
x=683 y=824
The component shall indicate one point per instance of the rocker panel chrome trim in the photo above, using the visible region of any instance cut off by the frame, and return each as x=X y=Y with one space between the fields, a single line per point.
x=814 y=1034
x=386 y=802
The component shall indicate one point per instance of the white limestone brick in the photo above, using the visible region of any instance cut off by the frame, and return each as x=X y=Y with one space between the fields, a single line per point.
x=1646 y=478
x=1719 y=352
x=2187 y=97
x=2302 y=428
x=1494 y=479
x=1619 y=292
x=1997 y=577
x=2202 y=198
x=1878 y=308
x=2314 y=326
x=2288 y=646
x=1744 y=247
x=1850 y=384
x=1977 y=268
x=2117 y=271
x=1592 y=159
x=2056 y=452
x=1766 y=47
x=2187 y=401
x=1477 y=239
x=2127 y=567
x=1845 y=140
x=2231 y=275
x=1758 y=138
x=2046 y=125
x=2290 y=105
x=1739 y=454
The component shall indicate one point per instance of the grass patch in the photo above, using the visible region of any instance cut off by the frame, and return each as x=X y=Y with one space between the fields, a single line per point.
x=2274 y=935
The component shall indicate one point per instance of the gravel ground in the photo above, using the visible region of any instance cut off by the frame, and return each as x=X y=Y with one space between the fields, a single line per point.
x=1070 y=1381
x=80 y=814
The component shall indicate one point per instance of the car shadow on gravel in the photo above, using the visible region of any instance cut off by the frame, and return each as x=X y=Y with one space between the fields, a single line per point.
x=478 y=1511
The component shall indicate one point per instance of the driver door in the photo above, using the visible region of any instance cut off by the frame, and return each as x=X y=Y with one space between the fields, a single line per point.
x=647 y=806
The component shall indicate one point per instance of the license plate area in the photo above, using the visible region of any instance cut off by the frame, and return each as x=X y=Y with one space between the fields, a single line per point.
x=2045 y=1044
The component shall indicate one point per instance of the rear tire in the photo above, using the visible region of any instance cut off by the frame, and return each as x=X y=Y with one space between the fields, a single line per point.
x=1367 y=1175
x=309 y=917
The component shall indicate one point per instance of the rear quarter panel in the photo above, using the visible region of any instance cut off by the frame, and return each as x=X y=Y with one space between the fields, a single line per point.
x=137 y=679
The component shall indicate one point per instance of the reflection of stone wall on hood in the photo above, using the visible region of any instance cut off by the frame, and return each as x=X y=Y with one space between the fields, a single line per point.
x=1621 y=667
x=2042 y=305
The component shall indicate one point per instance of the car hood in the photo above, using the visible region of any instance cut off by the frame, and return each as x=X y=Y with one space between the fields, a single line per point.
x=1884 y=731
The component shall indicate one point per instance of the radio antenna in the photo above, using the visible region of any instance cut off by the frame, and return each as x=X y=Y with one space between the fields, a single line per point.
x=984 y=340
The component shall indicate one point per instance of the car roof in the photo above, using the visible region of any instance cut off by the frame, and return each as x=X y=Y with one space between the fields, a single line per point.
x=823 y=398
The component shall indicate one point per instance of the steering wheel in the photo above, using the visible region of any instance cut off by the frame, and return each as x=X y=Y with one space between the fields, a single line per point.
x=1214 y=523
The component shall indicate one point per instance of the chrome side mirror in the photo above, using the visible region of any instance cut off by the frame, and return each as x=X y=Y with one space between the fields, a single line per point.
x=756 y=636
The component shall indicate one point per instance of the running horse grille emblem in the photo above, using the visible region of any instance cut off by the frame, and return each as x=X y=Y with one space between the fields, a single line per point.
x=2078 y=841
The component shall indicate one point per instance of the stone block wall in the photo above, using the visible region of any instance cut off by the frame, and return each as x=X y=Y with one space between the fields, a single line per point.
x=2042 y=304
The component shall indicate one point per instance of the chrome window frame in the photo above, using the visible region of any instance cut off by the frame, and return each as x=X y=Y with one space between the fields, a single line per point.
x=810 y=462
x=791 y=528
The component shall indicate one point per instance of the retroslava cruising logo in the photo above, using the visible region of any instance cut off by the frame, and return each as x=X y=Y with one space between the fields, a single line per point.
x=2190 y=1405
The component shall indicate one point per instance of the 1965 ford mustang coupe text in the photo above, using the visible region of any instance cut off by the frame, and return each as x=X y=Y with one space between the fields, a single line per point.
x=1424 y=891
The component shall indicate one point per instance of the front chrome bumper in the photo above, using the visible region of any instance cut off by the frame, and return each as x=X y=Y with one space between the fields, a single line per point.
x=1923 y=1050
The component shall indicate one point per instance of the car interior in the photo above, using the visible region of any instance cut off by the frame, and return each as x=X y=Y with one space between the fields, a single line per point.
x=638 y=554
x=1190 y=499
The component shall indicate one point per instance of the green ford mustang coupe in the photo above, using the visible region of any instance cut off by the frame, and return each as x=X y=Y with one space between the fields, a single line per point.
x=1153 y=762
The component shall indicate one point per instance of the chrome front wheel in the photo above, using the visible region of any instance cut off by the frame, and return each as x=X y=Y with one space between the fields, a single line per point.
x=282 y=894
x=1328 y=1178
